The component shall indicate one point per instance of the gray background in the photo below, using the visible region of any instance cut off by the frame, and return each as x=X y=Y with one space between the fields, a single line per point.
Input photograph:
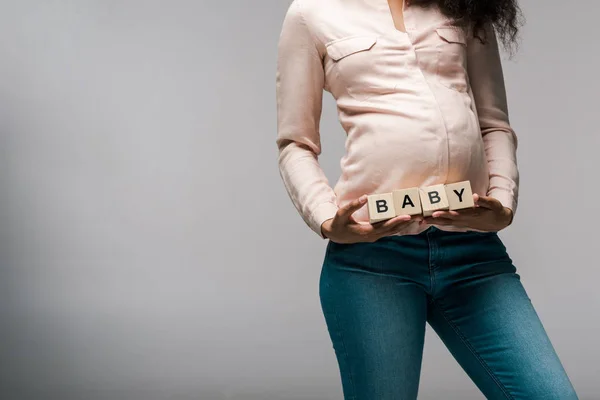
x=148 y=249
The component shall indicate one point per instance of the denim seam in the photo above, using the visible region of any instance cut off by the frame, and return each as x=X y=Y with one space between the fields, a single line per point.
x=431 y=265
x=473 y=351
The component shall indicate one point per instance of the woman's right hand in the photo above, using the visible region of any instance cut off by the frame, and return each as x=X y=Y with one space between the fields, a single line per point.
x=343 y=228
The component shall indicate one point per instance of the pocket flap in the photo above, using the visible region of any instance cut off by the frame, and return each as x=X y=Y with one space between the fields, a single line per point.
x=452 y=34
x=343 y=47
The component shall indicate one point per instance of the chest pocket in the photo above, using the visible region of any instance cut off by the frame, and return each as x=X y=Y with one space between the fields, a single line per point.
x=358 y=66
x=452 y=57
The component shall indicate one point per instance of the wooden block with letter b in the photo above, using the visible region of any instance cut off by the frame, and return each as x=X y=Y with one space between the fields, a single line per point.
x=381 y=207
x=407 y=201
x=433 y=198
x=459 y=195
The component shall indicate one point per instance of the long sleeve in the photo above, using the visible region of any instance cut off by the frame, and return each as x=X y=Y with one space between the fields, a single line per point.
x=500 y=141
x=299 y=92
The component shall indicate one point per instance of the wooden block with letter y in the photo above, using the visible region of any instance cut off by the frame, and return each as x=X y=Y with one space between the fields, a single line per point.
x=381 y=207
x=459 y=195
x=433 y=198
x=407 y=201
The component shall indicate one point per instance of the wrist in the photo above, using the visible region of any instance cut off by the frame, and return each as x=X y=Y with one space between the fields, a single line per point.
x=326 y=227
x=509 y=215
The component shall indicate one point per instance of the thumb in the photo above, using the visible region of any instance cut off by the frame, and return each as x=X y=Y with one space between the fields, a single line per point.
x=345 y=212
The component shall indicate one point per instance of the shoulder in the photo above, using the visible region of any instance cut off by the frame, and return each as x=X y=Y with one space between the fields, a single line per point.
x=310 y=16
x=312 y=8
x=306 y=11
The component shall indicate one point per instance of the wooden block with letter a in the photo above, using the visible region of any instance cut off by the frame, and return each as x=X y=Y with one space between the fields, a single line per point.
x=433 y=198
x=407 y=201
x=381 y=207
x=459 y=195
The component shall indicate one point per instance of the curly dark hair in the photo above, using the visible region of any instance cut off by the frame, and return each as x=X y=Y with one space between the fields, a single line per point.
x=505 y=16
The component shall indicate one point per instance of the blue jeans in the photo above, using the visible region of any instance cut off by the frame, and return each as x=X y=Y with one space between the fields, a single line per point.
x=376 y=298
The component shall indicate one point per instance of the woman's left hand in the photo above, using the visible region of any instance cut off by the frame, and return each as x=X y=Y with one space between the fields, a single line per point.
x=488 y=215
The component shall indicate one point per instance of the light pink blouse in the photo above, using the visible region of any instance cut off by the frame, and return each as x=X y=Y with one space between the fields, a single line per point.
x=421 y=107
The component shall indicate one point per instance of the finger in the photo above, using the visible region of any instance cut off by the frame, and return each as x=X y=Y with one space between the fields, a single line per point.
x=384 y=228
x=390 y=223
x=441 y=221
x=465 y=212
x=489 y=202
x=400 y=223
x=348 y=209
x=361 y=228
x=450 y=214
x=400 y=226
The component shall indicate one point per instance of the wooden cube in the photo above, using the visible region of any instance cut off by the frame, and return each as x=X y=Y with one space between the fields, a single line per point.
x=433 y=198
x=459 y=195
x=381 y=207
x=407 y=201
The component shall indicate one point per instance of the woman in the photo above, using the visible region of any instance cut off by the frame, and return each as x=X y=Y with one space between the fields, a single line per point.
x=420 y=93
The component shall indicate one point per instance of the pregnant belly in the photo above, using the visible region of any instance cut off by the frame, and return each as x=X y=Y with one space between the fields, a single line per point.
x=380 y=163
x=404 y=153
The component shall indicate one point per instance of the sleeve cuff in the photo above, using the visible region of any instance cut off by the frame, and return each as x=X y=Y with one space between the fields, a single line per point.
x=321 y=214
x=506 y=198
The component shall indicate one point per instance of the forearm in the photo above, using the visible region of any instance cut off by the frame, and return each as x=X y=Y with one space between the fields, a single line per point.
x=306 y=185
x=500 y=149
